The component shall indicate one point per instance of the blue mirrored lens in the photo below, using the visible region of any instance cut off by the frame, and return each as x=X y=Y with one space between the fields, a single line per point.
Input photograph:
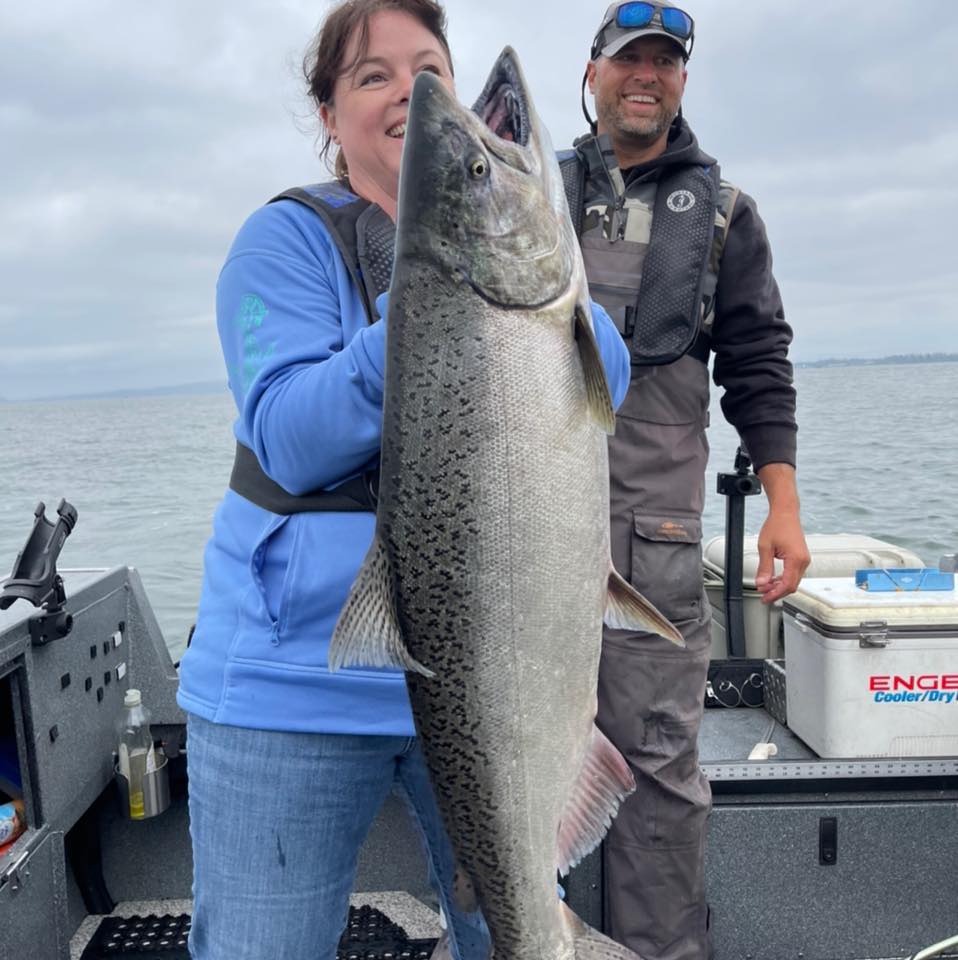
x=634 y=14
x=677 y=23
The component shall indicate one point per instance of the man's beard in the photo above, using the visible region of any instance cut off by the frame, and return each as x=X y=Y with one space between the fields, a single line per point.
x=642 y=131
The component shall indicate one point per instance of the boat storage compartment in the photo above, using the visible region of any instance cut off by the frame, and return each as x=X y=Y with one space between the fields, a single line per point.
x=32 y=872
x=843 y=876
x=872 y=674
x=833 y=555
x=33 y=897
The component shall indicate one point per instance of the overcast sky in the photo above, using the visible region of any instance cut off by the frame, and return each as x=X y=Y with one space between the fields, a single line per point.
x=137 y=137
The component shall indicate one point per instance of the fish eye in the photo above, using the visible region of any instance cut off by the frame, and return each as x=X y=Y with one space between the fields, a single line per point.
x=478 y=168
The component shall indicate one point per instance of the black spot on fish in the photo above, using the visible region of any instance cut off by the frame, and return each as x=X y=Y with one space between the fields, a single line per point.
x=279 y=851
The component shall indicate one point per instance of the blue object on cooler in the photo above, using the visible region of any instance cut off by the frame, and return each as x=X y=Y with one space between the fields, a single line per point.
x=903 y=579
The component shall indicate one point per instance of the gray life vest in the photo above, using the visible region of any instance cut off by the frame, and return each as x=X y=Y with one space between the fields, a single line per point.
x=661 y=294
x=365 y=237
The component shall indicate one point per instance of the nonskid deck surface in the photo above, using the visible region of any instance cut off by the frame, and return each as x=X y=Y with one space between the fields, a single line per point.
x=382 y=926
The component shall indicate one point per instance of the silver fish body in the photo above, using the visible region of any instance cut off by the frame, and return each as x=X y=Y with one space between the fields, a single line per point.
x=489 y=576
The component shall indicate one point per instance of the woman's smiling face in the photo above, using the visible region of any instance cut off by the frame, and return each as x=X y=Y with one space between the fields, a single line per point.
x=367 y=113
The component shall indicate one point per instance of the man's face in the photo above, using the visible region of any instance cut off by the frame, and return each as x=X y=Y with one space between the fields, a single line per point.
x=638 y=91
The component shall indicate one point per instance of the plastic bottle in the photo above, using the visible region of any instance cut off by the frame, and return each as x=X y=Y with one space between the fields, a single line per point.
x=137 y=757
x=12 y=823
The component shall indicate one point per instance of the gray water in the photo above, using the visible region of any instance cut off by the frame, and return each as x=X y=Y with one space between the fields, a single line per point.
x=878 y=455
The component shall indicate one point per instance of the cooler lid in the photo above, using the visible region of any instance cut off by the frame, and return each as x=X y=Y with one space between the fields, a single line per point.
x=837 y=602
x=833 y=555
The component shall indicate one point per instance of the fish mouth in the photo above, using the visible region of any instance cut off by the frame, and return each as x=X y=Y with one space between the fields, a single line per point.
x=480 y=191
x=503 y=105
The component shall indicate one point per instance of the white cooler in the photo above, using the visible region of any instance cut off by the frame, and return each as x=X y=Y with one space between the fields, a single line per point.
x=872 y=674
x=833 y=555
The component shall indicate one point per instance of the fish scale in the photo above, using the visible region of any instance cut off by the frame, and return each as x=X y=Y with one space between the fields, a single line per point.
x=480 y=658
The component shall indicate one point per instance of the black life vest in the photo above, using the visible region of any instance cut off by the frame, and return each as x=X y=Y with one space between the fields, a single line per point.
x=365 y=237
x=684 y=227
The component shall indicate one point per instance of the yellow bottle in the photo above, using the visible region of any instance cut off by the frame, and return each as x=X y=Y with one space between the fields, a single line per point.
x=137 y=757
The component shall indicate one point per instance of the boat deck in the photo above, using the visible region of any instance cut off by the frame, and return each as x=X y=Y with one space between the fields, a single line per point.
x=727 y=737
x=419 y=921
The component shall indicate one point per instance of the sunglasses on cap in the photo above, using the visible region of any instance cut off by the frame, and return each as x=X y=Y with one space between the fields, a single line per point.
x=636 y=14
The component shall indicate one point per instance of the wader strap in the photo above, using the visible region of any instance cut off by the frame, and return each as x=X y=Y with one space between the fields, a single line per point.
x=573 y=179
x=249 y=481
x=668 y=309
x=365 y=238
x=727 y=198
x=701 y=347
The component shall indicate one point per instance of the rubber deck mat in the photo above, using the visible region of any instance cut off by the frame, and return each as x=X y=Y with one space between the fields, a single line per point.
x=369 y=935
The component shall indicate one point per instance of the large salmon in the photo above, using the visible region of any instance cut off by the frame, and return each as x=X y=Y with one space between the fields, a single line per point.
x=489 y=576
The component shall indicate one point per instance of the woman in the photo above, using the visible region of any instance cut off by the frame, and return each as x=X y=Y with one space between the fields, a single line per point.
x=288 y=763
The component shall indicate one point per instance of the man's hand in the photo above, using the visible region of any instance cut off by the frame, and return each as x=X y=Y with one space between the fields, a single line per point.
x=781 y=537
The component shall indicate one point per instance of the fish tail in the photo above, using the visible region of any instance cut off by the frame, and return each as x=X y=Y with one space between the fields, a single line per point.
x=597 y=946
x=591 y=945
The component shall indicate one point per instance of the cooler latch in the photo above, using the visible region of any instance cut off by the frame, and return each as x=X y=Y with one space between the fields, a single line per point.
x=873 y=633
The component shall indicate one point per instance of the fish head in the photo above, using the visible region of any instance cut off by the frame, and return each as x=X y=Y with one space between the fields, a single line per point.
x=481 y=193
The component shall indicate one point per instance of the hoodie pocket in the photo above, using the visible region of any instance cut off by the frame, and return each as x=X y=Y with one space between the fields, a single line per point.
x=270 y=572
x=667 y=563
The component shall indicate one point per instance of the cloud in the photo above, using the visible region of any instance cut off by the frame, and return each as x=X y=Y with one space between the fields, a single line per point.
x=138 y=138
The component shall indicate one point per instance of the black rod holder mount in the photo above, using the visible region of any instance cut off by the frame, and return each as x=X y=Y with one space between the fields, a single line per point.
x=735 y=487
x=35 y=576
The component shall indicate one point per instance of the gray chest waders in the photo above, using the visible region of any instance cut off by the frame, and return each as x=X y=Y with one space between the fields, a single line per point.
x=652 y=258
x=365 y=237
x=652 y=250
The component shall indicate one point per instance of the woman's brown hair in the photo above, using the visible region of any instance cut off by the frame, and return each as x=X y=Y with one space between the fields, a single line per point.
x=323 y=63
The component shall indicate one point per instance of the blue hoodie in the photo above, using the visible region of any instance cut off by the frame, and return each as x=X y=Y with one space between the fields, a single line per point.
x=306 y=371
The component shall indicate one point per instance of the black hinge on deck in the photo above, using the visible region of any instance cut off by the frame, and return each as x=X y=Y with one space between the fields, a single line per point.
x=828 y=841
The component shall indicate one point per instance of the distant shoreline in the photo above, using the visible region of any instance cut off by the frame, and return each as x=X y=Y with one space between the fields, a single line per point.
x=213 y=387
x=898 y=359
x=201 y=388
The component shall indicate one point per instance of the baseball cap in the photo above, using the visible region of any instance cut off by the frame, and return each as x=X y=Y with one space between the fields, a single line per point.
x=627 y=21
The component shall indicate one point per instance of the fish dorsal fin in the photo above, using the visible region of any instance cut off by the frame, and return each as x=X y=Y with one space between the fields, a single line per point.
x=367 y=632
x=596 y=386
x=604 y=782
x=627 y=609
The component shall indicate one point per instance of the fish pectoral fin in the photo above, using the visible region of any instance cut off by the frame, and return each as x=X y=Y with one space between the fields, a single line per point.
x=367 y=632
x=596 y=386
x=603 y=783
x=627 y=609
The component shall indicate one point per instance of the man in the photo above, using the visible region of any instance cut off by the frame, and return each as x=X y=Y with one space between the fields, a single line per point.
x=681 y=261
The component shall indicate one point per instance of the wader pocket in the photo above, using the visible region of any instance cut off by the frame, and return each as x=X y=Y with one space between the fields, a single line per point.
x=676 y=393
x=667 y=563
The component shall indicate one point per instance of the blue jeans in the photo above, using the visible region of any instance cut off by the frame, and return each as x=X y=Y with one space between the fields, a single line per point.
x=277 y=820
